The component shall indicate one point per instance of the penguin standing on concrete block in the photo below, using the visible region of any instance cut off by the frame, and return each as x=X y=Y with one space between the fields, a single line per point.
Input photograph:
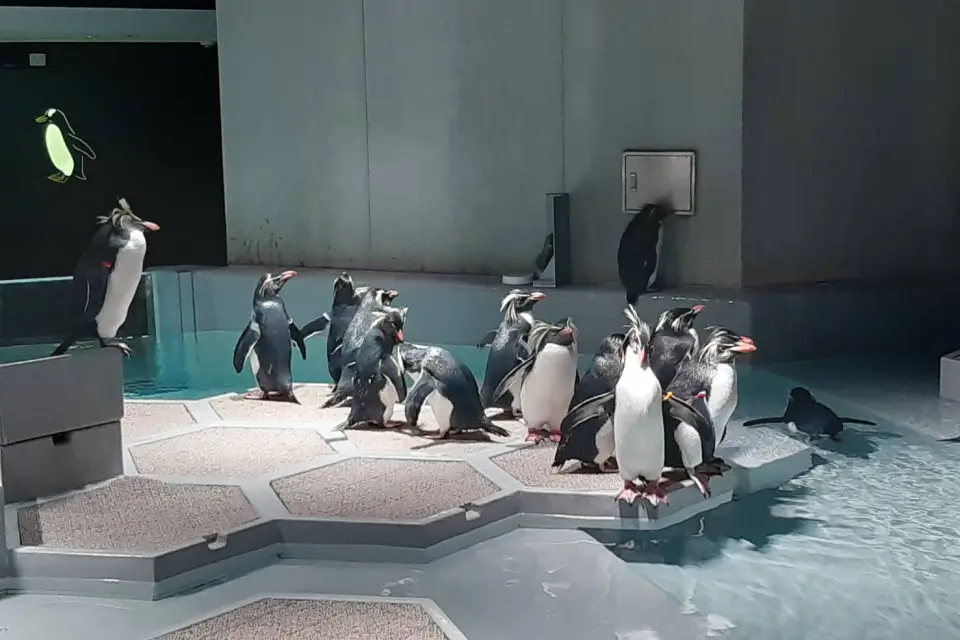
x=346 y=301
x=107 y=276
x=266 y=341
x=638 y=256
x=674 y=340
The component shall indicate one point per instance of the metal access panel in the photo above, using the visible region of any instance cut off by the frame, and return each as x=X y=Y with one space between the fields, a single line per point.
x=650 y=176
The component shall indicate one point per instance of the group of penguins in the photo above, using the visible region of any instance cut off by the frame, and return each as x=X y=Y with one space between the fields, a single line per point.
x=652 y=400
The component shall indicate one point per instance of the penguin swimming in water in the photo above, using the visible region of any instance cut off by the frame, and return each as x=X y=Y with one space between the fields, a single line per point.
x=591 y=442
x=673 y=340
x=266 y=341
x=378 y=382
x=346 y=301
x=546 y=379
x=64 y=147
x=638 y=255
x=699 y=403
x=507 y=348
x=107 y=276
x=635 y=407
x=448 y=386
x=373 y=301
x=805 y=415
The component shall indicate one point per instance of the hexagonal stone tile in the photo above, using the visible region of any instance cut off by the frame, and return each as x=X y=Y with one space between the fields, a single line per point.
x=281 y=619
x=229 y=452
x=135 y=514
x=531 y=466
x=412 y=439
x=382 y=488
x=311 y=396
x=147 y=419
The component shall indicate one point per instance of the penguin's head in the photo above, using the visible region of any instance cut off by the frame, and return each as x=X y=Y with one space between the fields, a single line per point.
x=800 y=394
x=270 y=284
x=343 y=289
x=391 y=323
x=47 y=116
x=124 y=220
x=656 y=211
x=380 y=296
x=723 y=346
x=519 y=301
x=638 y=336
x=679 y=319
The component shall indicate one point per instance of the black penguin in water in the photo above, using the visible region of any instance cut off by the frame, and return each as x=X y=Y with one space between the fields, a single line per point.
x=698 y=404
x=266 y=341
x=674 y=339
x=373 y=302
x=378 y=383
x=638 y=256
x=346 y=301
x=107 y=276
x=507 y=348
x=591 y=442
x=806 y=415
x=446 y=384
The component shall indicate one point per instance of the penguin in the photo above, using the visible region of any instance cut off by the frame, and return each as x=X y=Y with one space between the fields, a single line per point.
x=507 y=348
x=805 y=415
x=378 y=382
x=592 y=441
x=546 y=379
x=635 y=407
x=346 y=301
x=707 y=387
x=373 y=301
x=61 y=141
x=266 y=341
x=638 y=255
x=448 y=386
x=673 y=340
x=107 y=276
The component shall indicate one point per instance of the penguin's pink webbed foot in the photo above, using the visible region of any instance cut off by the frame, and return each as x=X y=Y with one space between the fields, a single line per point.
x=555 y=436
x=654 y=493
x=255 y=395
x=629 y=493
x=534 y=435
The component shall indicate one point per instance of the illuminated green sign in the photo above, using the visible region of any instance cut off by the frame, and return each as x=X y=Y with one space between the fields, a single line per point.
x=64 y=147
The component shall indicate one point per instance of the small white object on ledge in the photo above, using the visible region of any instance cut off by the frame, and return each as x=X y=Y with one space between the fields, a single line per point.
x=517 y=279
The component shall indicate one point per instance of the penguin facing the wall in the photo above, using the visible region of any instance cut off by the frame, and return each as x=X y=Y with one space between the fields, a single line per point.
x=638 y=255
x=266 y=341
x=378 y=383
x=545 y=380
x=507 y=348
x=591 y=442
x=446 y=384
x=346 y=301
x=674 y=340
x=107 y=276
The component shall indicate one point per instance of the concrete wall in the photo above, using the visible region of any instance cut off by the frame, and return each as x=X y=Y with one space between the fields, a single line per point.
x=851 y=121
x=423 y=135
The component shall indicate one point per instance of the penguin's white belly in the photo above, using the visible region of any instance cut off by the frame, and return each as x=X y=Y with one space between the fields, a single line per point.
x=442 y=410
x=547 y=389
x=122 y=285
x=606 y=446
x=254 y=363
x=389 y=398
x=723 y=399
x=638 y=426
x=57 y=149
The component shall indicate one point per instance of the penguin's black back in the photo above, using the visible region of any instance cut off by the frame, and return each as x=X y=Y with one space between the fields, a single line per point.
x=813 y=418
x=455 y=382
x=274 y=349
x=668 y=348
x=340 y=318
x=505 y=353
x=92 y=273
x=636 y=253
x=692 y=378
x=357 y=328
x=371 y=357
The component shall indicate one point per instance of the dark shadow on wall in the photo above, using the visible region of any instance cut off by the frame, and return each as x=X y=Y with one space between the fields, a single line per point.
x=150 y=115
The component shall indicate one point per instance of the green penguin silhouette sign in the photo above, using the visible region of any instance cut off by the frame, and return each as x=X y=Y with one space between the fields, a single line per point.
x=65 y=148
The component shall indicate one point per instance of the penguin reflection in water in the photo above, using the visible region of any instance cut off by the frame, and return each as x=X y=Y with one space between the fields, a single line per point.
x=266 y=341
x=107 y=276
x=446 y=384
x=378 y=384
x=546 y=379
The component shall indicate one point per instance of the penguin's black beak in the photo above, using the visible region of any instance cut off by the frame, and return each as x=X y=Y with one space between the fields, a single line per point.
x=150 y=226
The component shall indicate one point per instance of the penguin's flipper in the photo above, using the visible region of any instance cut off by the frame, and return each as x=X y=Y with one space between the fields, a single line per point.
x=770 y=420
x=487 y=339
x=90 y=289
x=576 y=379
x=411 y=355
x=602 y=405
x=247 y=339
x=391 y=369
x=953 y=439
x=685 y=412
x=297 y=336
x=314 y=327
x=857 y=421
x=82 y=146
x=417 y=396
x=514 y=376
x=343 y=390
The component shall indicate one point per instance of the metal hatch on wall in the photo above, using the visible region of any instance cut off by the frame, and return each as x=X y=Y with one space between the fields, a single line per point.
x=651 y=176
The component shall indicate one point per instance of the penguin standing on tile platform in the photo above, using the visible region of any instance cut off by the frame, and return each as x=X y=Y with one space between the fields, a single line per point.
x=107 y=276
x=266 y=341
x=346 y=301
x=638 y=256
x=674 y=340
